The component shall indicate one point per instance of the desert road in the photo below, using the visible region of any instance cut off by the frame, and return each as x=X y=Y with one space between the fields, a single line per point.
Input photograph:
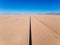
x=29 y=29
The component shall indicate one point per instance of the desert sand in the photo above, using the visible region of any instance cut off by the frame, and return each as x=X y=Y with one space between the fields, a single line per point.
x=45 y=30
x=14 y=29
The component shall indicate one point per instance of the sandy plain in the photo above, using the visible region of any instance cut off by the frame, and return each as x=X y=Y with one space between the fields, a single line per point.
x=45 y=29
x=14 y=29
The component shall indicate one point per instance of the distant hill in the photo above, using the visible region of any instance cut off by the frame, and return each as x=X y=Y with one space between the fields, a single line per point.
x=54 y=13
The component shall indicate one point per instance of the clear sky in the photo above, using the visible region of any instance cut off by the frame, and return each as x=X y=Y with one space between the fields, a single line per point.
x=29 y=6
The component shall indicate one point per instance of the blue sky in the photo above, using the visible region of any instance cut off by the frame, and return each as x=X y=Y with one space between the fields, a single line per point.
x=29 y=6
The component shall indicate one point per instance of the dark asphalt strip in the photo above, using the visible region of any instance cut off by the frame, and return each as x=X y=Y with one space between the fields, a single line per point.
x=30 y=35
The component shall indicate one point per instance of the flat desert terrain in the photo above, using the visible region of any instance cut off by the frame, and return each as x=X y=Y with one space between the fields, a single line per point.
x=14 y=29
x=45 y=29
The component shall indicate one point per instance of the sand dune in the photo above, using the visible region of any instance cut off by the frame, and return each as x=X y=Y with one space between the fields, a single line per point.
x=14 y=29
